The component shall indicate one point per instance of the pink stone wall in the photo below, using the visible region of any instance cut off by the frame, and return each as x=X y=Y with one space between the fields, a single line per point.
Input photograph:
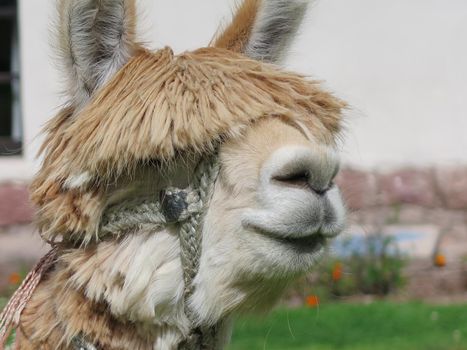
x=15 y=207
x=444 y=188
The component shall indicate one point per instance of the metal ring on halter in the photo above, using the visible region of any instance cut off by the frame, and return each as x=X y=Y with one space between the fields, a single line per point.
x=79 y=343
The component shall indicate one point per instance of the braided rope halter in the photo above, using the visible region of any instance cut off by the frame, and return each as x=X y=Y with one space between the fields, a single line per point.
x=185 y=206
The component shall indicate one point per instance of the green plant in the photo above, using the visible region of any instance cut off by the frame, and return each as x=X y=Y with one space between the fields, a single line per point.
x=370 y=265
x=378 y=269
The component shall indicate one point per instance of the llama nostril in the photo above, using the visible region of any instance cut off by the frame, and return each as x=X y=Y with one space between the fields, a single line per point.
x=296 y=179
x=301 y=179
x=302 y=168
x=322 y=192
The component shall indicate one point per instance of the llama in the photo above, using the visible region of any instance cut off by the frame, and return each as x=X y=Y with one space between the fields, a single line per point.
x=178 y=191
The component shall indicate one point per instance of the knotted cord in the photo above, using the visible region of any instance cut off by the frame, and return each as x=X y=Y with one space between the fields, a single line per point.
x=10 y=316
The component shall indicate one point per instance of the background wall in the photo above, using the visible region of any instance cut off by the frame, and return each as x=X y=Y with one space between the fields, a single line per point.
x=400 y=64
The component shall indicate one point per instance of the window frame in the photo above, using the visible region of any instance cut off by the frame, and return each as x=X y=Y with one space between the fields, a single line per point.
x=11 y=145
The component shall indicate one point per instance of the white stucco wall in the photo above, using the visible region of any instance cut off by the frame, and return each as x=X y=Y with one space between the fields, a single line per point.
x=401 y=64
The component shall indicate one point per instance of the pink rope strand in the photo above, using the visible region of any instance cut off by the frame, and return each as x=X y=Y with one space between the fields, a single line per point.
x=10 y=316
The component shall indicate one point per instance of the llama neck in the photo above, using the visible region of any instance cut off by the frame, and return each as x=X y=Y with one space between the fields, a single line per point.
x=140 y=279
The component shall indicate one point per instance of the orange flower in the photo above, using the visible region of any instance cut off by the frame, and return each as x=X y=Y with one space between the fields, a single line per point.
x=440 y=260
x=14 y=278
x=312 y=300
x=337 y=272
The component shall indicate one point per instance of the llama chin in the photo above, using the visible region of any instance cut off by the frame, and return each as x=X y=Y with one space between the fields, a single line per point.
x=218 y=155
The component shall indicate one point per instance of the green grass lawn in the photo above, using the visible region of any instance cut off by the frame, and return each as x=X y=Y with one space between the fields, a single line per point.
x=378 y=326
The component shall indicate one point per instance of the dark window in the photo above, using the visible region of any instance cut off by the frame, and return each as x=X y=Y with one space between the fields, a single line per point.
x=10 y=114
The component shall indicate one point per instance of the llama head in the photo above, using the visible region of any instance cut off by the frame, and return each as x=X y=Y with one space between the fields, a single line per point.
x=136 y=119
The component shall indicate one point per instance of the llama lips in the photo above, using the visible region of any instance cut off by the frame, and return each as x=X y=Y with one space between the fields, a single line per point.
x=313 y=242
x=304 y=244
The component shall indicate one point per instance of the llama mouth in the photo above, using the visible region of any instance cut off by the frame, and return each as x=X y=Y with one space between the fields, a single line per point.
x=306 y=244
x=309 y=243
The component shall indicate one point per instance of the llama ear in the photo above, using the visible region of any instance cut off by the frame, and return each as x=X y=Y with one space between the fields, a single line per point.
x=95 y=39
x=263 y=29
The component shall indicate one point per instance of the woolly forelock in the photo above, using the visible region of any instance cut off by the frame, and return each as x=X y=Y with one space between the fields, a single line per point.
x=158 y=106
